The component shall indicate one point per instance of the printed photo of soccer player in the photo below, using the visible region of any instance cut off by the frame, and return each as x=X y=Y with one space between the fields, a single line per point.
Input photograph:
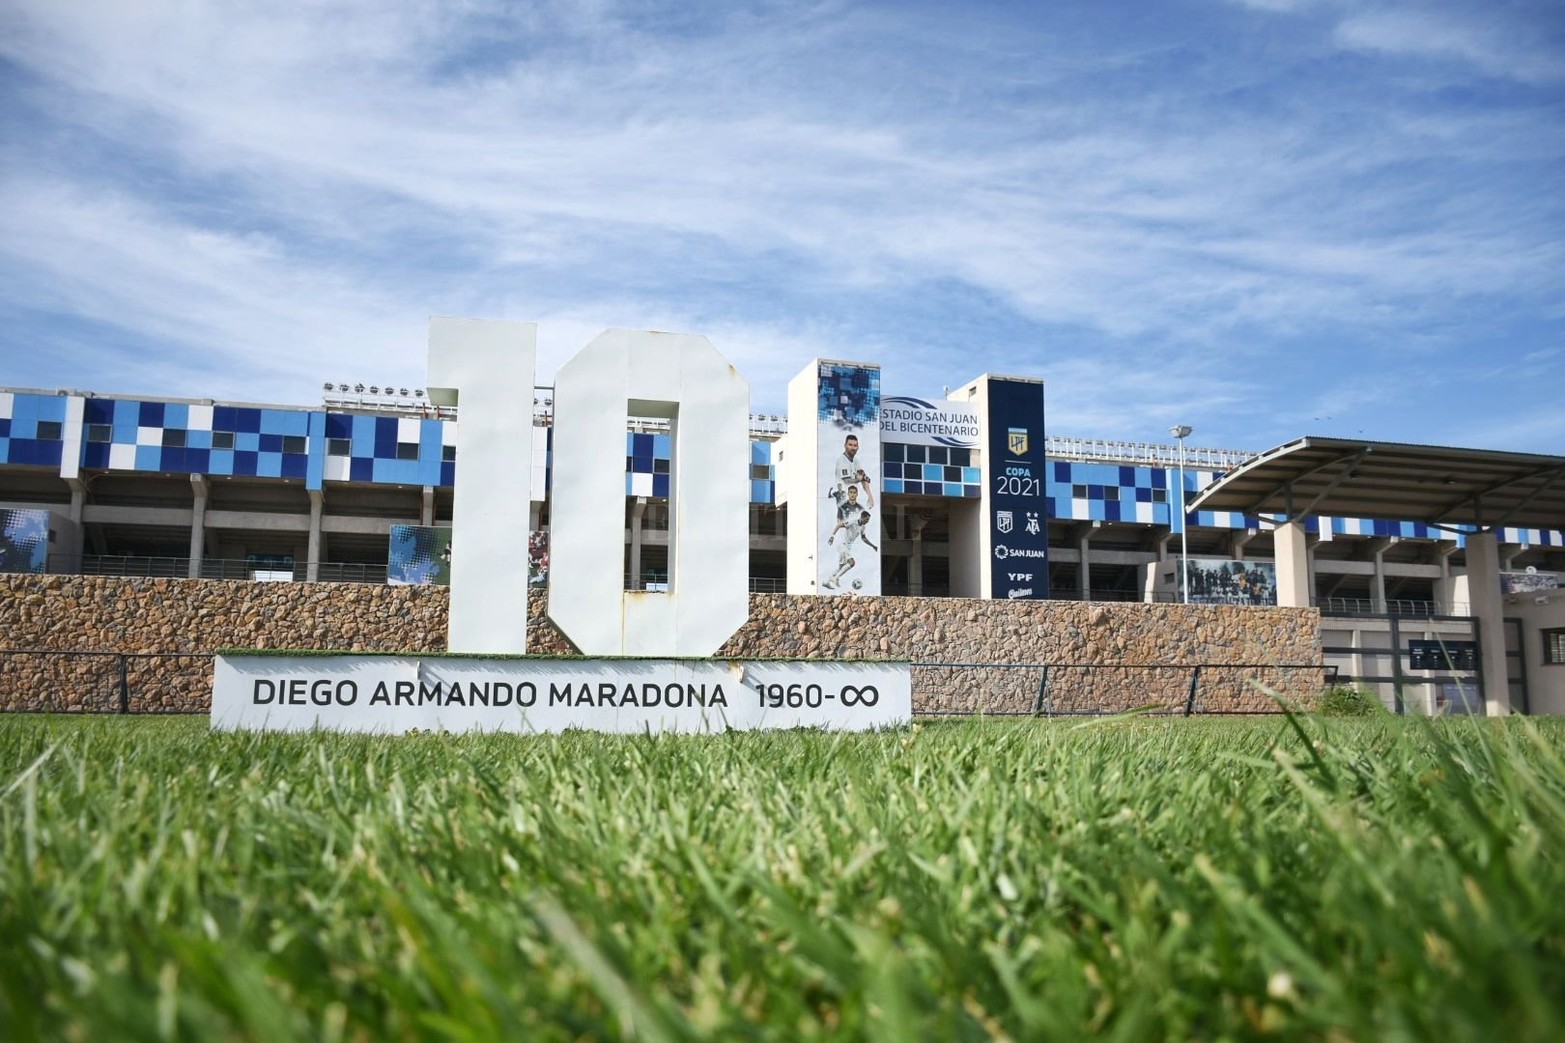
x=852 y=529
x=847 y=560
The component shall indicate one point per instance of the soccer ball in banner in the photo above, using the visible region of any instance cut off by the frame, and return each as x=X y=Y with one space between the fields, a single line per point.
x=858 y=584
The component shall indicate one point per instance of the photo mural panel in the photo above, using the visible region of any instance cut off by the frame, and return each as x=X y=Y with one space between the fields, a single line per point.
x=1232 y=582
x=847 y=557
x=420 y=555
x=24 y=540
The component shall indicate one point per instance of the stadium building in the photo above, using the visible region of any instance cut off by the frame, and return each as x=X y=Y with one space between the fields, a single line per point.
x=966 y=495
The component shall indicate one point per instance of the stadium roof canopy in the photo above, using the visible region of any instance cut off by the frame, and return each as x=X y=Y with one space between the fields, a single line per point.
x=1437 y=485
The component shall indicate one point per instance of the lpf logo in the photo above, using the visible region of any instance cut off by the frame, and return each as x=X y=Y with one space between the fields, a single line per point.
x=1016 y=440
x=1003 y=521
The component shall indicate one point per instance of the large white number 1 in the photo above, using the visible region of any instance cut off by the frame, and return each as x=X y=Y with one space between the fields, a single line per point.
x=486 y=368
x=683 y=378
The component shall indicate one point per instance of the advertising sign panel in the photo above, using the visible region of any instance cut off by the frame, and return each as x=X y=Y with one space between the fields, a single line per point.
x=1528 y=582
x=1233 y=582
x=24 y=540
x=419 y=555
x=847 y=558
x=1442 y=655
x=918 y=421
x=379 y=693
x=1018 y=523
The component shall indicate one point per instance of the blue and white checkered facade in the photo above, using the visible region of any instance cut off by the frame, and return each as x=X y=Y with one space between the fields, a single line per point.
x=317 y=446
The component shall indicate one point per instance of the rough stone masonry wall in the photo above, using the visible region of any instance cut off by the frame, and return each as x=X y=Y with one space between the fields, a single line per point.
x=1102 y=656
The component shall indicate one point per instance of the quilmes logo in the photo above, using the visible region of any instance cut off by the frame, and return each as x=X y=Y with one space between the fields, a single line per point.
x=1016 y=440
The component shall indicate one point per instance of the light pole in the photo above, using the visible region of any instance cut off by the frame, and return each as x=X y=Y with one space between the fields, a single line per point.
x=1181 y=432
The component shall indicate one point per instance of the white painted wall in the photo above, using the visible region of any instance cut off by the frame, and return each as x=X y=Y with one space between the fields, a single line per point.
x=1544 y=610
x=797 y=476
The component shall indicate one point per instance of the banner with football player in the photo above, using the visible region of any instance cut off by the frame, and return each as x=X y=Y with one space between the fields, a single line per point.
x=847 y=559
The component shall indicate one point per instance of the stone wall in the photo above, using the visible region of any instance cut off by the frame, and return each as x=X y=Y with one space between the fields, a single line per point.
x=1101 y=656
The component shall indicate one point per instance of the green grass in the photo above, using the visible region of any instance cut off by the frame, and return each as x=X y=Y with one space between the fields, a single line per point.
x=1130 y=879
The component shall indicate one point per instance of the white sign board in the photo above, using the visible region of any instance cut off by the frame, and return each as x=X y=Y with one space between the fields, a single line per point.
x=919 y=421
x=384 y=693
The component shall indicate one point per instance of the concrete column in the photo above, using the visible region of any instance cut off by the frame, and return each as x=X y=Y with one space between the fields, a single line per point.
x=1488 y=606
x=1237 y=540
x=198 y=486
x=426 y=513
x=1445 y=596
x=1377 y=557
x=636 y=511
x=312 y=554
x=78 y=507
x=915 y=560
x=1293 y=565
x=1083 y=571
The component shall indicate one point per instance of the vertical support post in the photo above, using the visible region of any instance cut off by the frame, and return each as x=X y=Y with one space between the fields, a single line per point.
x=1293 y=565
x=637 y=511
x=1488 y=606
x=1195 y=685
x=1184 y=527
x=1397 y=677
x=1042 y=705
x=198 y=486
x=312 y=565
x=1084 y=552
x=124 y=684
x=78 y=528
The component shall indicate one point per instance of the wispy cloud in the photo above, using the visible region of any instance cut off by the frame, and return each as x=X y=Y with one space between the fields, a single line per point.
x=1170 y=213
x=1479 y=35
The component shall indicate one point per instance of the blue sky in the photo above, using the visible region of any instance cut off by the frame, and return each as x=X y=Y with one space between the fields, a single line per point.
x=1266 y=219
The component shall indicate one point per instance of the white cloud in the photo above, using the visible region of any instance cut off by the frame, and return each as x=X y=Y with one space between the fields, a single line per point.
x=282 y=187
x=1476 y=36
x=235 y=312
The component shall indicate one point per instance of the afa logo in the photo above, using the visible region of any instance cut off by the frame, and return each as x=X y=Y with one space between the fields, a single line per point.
x=1016 y=440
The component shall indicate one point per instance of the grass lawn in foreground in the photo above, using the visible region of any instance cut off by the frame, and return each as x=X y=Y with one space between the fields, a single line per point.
x=1127 y=879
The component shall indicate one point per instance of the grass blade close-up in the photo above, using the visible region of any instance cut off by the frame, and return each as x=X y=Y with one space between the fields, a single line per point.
x=1354 y=879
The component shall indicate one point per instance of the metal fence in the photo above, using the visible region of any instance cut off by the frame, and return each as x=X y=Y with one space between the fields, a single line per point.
x=1094 y=689
x=105 y=682
x=41 y=681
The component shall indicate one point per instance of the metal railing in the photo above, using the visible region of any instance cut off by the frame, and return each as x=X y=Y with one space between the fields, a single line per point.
x=170 y=567
x=1118 y=594
x=1152 y=454
x=1334 y=606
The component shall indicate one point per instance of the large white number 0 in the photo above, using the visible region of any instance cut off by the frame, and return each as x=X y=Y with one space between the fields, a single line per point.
x=683 y=378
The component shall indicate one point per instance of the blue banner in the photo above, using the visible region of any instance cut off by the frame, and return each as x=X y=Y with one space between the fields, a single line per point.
x=1018 y=522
